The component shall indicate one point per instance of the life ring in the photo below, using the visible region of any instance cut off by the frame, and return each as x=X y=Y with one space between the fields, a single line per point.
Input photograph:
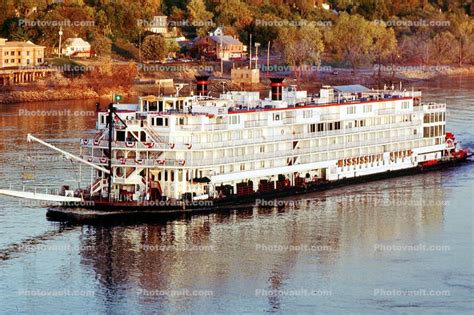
x=189 y=146
x=149 y=145
x=85 y=141
x=450 y=142
x=89 y=159
x=129 y=144
x=96 y=142
x=171 y=145
x=139 y=161
x=282 y=132
x=122 y=161
x=103 y=160
x=182 y=162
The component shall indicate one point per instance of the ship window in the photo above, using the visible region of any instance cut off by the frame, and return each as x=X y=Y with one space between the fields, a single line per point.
x=172 y=176
x=166 y=176
x=276 y=116
x=320 y=127
x=312 y=128
x=337 y=125
x=159 y=121
x=307 y=113
x=159 y=176
x=102 y=119
x=330 y=126
x=235 y=120
x=351 y=110
x=120 y=135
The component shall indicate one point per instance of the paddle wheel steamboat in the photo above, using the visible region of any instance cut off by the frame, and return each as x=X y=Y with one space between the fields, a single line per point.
x=186 y=153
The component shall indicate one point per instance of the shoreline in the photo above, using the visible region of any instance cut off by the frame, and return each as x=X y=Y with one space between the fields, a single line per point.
x=61 y=94
x=367 y=76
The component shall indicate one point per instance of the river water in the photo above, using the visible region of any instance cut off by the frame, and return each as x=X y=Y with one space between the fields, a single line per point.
x=393 y=246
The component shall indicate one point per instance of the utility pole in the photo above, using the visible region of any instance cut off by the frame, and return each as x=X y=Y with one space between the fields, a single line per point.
x=268 y=58
x=60 y=37
x=140 y=45
x=250 y=52
x=256 y=54
x=222 y=61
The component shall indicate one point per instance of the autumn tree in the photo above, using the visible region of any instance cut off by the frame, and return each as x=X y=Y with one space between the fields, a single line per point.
x=442 y=46
x=462 y=28
x=235 y=13
x=101 y=45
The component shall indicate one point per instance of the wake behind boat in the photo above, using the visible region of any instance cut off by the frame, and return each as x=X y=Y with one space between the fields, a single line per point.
x=173 y=154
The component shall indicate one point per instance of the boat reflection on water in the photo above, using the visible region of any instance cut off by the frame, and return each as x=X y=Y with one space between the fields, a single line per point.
x=264 y=247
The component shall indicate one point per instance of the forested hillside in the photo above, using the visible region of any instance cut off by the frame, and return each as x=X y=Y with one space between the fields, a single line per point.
x=350 y=31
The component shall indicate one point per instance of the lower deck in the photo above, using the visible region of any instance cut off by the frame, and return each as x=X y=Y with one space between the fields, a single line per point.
x=99 y=210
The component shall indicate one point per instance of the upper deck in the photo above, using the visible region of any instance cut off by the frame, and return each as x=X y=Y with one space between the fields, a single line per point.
x=200 y=113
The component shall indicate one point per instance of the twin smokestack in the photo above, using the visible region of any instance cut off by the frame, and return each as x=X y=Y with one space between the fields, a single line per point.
x=202 y=84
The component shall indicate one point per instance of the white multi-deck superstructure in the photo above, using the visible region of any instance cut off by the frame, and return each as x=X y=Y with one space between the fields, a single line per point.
x=199 y=147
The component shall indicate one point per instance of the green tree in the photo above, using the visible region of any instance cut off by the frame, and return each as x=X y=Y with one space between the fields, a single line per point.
x=199 y=16
x=384 y=44
x=351 y=38
x=156 y=47
x=301 y=46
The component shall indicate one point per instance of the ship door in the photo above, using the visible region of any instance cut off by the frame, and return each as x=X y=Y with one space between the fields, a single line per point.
x=323 y=173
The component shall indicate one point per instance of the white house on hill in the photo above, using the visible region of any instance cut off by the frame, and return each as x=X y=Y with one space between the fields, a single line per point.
x=76 y=47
